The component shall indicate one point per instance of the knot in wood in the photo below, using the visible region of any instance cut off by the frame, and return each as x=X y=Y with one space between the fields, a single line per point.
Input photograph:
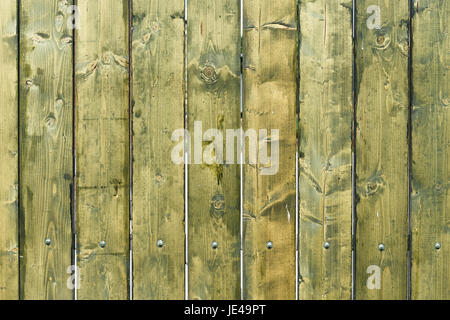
x=66 y=40
x=209 y=74
x=50 y=120
x=106 y=58
x=218 y=204
x=382 y=41
x=371 y=187
x=59 y=103
x=156 y=27
x=404 y=48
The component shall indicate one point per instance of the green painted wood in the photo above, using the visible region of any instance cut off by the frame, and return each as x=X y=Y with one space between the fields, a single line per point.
x=9 y=228
x=325 y=165
x=46 y=171
x=102 y=149
x=213 y=49
x=382 y=97
x=430 y=217
x=269 y=102
x=158 y=183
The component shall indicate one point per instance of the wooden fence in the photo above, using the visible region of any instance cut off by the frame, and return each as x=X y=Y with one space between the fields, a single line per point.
x=353 y=96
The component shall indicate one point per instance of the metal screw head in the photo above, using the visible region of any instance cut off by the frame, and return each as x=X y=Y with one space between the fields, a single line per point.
x=160 y=243
x=269 y=245
x=214 y=245
x=326 y=245
x=437 y=245
x=102 y=244
x=381 y=247
x=48 y=241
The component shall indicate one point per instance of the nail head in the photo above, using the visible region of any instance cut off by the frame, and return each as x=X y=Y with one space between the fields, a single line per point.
x=326 y=245
x=48 y=241
x=102 y=244
x=214 y=245
x=437 y=245
x=269 y=245
x=381 y=247
x=160 y=243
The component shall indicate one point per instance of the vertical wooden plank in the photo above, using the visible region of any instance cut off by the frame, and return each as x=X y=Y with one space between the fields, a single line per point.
x=382 y=97
x=102 y=148
x=213 y=49
x=325 y=165
x=269 y=102
x=46 y=91
x=430 y=151
x=9 y=229
x=158 y=183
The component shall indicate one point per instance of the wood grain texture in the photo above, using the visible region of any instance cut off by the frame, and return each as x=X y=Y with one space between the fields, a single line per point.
x=213 y=49
x=45 y=148
x=9 y=228
x=158 y=183
x=325 y=165
x=102 y=148
x=430 y=217
x=269 y=102
x=382 y=148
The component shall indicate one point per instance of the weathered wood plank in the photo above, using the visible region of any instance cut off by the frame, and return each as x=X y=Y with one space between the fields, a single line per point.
x=269 y=102
x=325 y=165
x=102 y=148
x=46 y=171
x=430 y=151
x=9 y=229
x=158 y=183
x=382 y=97
x=213 y=86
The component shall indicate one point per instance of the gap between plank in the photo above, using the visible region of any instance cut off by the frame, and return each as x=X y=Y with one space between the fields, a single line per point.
x=353 y=297
x=410 y=59
x=297 y=180
x=130 y=133
x=241 y=182
x=74 y=258
x=186 y=168
x=19 y=235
